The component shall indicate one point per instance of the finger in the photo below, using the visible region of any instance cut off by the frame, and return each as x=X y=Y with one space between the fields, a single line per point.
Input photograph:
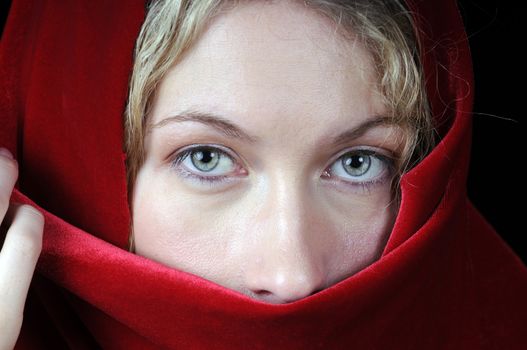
x=18 y=258
x=8 y=176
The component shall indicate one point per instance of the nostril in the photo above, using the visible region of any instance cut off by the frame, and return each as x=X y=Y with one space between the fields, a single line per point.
x=270 y=297
x=262 y=293
x=266 y=296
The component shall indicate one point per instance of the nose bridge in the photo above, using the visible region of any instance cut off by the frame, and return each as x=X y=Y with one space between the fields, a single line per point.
x=286 y=203
x=286 y=263
x=287 y=207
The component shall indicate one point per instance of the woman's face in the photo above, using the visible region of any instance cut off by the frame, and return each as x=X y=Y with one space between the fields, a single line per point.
x=252 y=178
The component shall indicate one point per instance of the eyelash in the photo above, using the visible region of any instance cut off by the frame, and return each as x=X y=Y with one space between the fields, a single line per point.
x=363 y=186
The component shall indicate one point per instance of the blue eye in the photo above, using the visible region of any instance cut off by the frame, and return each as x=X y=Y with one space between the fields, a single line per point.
x=205 y=159
x=359 y=168
x=363 y=168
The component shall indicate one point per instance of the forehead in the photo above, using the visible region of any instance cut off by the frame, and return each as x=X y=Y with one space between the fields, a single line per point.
x=269 y=30
x=280 y=57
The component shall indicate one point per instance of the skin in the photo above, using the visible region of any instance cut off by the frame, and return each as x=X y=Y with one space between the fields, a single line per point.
x=280 y=229
x=21 y=241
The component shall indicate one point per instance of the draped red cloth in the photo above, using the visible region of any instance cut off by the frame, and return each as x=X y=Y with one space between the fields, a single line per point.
x=446 y=280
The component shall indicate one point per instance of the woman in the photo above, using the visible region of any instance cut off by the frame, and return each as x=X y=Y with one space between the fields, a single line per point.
x=248 y=215
x=408 y=262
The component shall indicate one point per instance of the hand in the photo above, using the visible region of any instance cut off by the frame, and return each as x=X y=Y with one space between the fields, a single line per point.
x=19 y=254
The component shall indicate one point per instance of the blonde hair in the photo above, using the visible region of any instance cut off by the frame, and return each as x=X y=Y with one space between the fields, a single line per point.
x=385 y=27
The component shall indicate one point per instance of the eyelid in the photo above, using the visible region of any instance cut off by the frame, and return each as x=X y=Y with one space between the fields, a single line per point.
x=202 y=145
x=192 y=147
x=374 y=151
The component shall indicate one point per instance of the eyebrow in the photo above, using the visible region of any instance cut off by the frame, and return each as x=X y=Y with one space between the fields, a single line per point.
x=229 y=129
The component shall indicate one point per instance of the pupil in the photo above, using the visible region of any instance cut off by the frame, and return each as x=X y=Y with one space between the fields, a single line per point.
x=357 y=165
x=205 y=156
x=205 y=159
x=208 y=156
x=355 y=161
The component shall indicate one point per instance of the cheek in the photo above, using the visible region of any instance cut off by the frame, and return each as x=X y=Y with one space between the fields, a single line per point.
x=364 y=226
x=174 y=231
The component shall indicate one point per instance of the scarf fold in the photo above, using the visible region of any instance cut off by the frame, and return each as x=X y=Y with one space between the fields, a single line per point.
x=445 y=279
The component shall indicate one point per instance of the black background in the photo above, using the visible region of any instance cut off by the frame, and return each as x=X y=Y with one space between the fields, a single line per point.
x=495 y=181
x=496 y=36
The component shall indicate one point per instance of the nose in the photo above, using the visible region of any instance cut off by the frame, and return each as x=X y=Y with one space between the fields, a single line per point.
x=279 y=281
x=286 y=258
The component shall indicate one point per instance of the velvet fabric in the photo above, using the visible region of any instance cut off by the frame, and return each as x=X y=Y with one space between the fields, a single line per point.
x=446 y=280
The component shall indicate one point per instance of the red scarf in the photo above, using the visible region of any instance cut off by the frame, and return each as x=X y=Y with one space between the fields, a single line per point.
x=446 y=280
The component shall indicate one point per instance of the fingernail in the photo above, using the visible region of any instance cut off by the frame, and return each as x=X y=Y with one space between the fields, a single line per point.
x=5 y=152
